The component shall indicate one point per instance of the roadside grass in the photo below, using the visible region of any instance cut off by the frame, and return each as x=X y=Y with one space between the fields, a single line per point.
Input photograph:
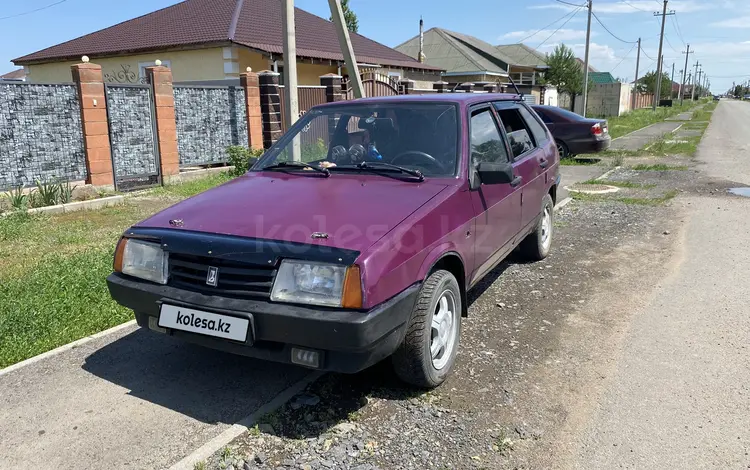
x=659 y=167
x=638 y=201
x=621 y=184
x=52 y=276
x=192 y=187
x=579 y=161
x=634 y=120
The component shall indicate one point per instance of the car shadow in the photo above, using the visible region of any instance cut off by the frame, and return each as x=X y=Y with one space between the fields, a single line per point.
x=207 y=385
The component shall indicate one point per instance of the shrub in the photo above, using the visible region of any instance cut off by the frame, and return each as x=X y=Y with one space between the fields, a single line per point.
x=242 y=158
x=46 y=194
x=18 y=200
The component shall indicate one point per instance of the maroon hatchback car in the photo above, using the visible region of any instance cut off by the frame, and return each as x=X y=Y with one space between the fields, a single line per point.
x=354 y=238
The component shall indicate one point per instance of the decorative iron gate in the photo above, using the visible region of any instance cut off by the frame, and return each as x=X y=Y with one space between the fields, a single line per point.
x=375 y=84
x=132 y=131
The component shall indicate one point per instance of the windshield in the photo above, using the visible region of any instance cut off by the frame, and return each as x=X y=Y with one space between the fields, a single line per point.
x=416 y=136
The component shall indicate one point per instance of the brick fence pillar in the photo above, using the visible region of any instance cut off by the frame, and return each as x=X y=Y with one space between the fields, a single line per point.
x=405 y=87
x=490 y=87
x=332 y=82
x=466 y=87
x=249 y=81
x=440 y=87
x=270 y=106
x=88 y=80
x=160 y=78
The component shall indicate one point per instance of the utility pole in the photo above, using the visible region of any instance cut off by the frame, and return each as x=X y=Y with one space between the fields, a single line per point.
x=682 y=80
x=684 y=74
x=355 y=81
x=290 y=71
x=586 y=63
x=671 y=84
x=698 y=81
x=637 y=66
x=663 y=15
x=692 y=93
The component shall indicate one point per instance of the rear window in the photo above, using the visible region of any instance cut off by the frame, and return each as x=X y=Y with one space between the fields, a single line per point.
x=566 y=114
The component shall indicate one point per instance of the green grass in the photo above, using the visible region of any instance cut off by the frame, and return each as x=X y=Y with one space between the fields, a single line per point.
x=634 y=120
x=621 y=184
x=659 y=167
x=62 y=299
x=578 y=162
x=192 y=187
x=638 y=201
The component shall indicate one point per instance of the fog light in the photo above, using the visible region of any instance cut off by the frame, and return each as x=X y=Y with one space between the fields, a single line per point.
x=153 y=324
x=305 y=358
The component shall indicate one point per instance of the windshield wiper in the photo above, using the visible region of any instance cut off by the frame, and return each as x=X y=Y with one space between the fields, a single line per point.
x=296 y=165
x=383 y=165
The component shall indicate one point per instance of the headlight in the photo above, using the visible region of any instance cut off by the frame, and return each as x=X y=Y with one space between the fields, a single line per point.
x=143 y=260
x=318 y=284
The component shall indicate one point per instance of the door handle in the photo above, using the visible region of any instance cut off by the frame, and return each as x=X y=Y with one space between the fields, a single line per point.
x=543 y=162
x=516 y=181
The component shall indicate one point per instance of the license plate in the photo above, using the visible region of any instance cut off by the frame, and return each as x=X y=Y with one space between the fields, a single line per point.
x=204 y=323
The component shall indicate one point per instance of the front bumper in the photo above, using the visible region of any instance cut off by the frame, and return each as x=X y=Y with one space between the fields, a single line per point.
x=347 y=340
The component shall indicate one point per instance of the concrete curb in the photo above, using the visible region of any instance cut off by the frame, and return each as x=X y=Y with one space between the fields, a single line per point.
x=75 y=206
x=209 y=448
x=65 y=347
x=605 y=175
x=563 y=203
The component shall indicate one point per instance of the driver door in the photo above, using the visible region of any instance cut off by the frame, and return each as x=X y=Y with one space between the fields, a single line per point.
x=497 y=207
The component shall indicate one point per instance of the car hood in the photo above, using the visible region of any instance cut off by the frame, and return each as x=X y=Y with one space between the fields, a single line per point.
x=354 y=211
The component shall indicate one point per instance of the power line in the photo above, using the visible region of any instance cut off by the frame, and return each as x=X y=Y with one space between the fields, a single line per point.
x=643 y=51
x=676 y=25
x=32 y=11
x=625 y=57
x=570 y=17
x=549 y=25
x=571 y=4
x=670 y=45
x=633 y=6
x=611 y=33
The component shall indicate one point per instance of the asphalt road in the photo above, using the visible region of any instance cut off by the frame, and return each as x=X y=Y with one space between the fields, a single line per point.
x=134 y=399
x=680 y=396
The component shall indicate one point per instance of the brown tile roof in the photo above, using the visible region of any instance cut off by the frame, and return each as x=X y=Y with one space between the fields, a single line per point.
x=14 y=75
x=252 y=23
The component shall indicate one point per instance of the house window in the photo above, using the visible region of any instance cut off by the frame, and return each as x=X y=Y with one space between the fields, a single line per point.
x=142 y=68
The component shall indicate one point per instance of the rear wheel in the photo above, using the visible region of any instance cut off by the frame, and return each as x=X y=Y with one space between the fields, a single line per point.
x=537 y=244
x=562 y=149
x=428 y=352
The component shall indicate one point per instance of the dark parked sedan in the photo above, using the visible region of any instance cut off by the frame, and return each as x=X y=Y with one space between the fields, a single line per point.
x=573 y=133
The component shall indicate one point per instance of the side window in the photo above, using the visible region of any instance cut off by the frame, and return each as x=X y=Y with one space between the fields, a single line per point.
x=545 y=117
x=519 y=135
x=537 y=130
x=487 y=144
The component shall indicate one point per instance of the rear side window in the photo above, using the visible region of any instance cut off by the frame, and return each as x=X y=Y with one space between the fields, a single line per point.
x=537 y=130
x=519 y=135
x=487 y=144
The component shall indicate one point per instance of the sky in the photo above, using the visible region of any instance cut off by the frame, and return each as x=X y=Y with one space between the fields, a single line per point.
x=717 y=30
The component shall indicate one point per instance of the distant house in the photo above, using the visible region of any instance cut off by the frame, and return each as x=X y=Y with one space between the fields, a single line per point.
x=602 y=78
x=467 y=59
x=203 y=40
x=18 y=75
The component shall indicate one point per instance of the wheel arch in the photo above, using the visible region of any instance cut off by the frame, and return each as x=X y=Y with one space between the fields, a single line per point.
x=451 y=261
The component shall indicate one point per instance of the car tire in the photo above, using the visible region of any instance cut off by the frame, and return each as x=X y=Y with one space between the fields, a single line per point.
x=427 y=354
x=537 y=244
x=563 y=150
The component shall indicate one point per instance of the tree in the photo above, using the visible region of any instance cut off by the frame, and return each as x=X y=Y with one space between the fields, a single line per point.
x=565 y=72
x=647 y=84
x=352 y=23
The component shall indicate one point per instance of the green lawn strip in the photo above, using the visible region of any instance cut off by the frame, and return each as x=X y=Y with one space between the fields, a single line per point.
x=639 y=201
x=621 y=184
x=192 y=187
x=61 y=299
x=578 y=161
x=640 y=118
x=659 y=167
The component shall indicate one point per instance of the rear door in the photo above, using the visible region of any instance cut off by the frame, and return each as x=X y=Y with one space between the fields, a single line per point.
x=530 y=159
x=497 y=207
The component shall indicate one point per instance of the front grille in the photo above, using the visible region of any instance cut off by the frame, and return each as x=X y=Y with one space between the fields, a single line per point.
x=236 y=279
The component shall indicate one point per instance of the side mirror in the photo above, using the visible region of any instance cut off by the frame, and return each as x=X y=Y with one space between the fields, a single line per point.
x=495 y=173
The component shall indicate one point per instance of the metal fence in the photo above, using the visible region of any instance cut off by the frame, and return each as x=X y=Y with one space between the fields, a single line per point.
x=40 y=134
x=209 y=119
x=130 y=112
x=307 y=97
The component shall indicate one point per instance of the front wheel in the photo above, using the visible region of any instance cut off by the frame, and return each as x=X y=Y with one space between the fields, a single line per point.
x=428 y=352
x=537 y=244
x=562 y=149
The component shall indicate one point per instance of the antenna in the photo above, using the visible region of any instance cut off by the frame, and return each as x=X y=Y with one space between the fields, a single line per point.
x=514 y=85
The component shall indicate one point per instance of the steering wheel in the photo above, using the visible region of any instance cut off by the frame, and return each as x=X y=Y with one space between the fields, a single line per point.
x=422 y=155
